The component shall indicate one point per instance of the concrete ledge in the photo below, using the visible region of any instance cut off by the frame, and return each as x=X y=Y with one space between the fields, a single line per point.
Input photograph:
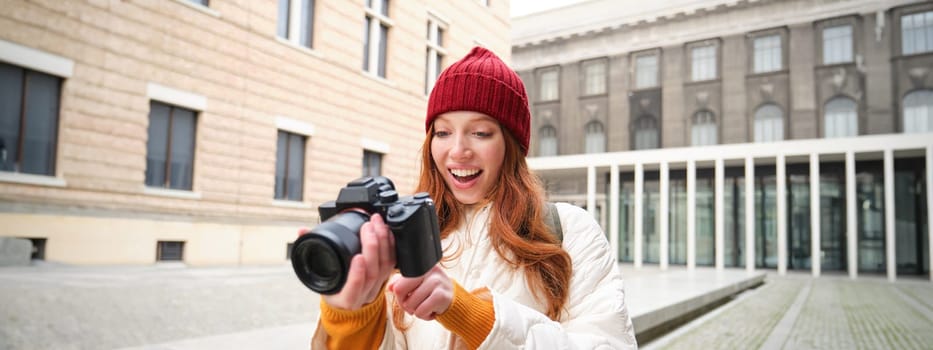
x=662 y=300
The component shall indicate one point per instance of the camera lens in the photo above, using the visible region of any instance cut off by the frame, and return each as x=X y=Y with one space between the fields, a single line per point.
x=321 y=258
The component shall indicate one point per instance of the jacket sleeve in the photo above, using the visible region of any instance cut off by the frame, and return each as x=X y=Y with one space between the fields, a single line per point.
x=596 y=316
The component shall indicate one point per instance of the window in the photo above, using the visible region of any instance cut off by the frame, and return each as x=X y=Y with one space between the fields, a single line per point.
x=769 y=123
x=703 y=132
x=840 y=118
x=170 y=147
x=548 y=86
x=200 y=2
x=594 y=77
x=917 y=33
x=296 y=21
x=289 y=166
x=29 y=103
x=435 y=53
x=547 y=141
x=767 y=54
x=375 y=37
x=918 y=112
x=170 y=250
x=372 y=163
x=703 y=63
x=595 y=137
x=647 y=135
x=646 y=71
x=837 y=44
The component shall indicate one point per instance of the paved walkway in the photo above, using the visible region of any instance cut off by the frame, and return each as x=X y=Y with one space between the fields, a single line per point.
x=174 y=307
x=831 y=312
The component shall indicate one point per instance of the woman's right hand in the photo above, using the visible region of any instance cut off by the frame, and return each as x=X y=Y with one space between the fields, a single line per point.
x=370 y=269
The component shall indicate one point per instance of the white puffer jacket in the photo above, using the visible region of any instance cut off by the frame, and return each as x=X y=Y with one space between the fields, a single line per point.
x=596 y=316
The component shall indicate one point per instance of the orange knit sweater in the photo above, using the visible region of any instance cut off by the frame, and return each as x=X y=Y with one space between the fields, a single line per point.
x=469 y=316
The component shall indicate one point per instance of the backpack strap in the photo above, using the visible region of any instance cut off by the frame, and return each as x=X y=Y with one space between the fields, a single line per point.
x=552 y=220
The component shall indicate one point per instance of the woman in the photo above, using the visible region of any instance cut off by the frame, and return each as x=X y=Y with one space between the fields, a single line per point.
x=506 y=281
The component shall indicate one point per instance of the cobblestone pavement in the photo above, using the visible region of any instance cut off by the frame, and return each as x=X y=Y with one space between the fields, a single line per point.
x=64 y=307
x=833 y=312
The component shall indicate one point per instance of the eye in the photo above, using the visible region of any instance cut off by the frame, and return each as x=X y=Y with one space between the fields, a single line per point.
x=441 y=133
x=482 y=134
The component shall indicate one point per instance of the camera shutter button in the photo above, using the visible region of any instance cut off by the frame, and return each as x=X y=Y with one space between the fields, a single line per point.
x=395 y=211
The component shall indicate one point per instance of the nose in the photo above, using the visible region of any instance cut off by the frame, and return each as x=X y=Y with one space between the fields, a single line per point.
x=460 y=148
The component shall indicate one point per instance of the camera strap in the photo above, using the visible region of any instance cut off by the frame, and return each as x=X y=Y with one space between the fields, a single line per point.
x=552 y=220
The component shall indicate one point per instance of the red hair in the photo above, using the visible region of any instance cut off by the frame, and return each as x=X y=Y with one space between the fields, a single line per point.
x=516 y=223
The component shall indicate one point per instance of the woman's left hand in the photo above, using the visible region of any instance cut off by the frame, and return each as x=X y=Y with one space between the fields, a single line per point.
x=426 y=296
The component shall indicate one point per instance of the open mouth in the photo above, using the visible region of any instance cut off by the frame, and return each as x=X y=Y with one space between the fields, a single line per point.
x=465 y=175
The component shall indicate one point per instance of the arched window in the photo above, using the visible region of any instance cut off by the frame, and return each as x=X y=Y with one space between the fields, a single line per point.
x=647 y=135
x=840 y=118
x=918 y=112
x=769 y=123
x=703 y=132
x=595 y=137
x=547 y=141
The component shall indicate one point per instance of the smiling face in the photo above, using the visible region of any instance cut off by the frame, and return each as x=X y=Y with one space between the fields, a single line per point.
x=468 y=148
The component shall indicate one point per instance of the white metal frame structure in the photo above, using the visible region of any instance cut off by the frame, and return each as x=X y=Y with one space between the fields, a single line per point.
x=750 y=154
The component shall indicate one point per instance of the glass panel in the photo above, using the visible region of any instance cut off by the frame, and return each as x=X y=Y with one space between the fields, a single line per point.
x=281 y=156
x=677 y=227
x=11 y=96
x=646 y=70
x=366 y=29
x=372 y=163
x=917 y=33
x=296 y=165
x=705 y=218
x=918 y=112
x=769 y=123
x=734 y=218
x=626 y=218
x=767 y=54
x=798 y=217
x=704 y=63
x=41 y=130
x=595 y=76
x=383 y=41
x=870 y=206
x=595 y=139
x=911 y=216
x=307 y=23
x=651 y=235
x=837 y=44
x=383 y=7
x=182 y=144
x=281 y=28
x=549 y=90
x=765 y=217
x=833 y=241
x=841 y=118
x=157 y=144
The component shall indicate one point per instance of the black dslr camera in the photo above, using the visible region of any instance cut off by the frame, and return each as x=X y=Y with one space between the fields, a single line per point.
x=321 y=258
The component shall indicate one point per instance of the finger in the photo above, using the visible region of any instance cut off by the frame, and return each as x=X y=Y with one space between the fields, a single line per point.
x=432 y=306
x=349 y=296
x=417 y=297
x=391 y=285
x=370 y=250
x=386 y=247
x=403 y=286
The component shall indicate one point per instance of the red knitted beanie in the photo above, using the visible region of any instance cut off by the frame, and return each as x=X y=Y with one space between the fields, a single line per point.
x=481 y=82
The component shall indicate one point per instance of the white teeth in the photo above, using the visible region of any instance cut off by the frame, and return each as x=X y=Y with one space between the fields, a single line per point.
x=464 y=172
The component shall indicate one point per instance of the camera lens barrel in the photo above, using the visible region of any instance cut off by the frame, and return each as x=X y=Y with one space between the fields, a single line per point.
x=321 y=258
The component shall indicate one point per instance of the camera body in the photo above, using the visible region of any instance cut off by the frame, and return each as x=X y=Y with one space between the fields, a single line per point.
x=321 y=258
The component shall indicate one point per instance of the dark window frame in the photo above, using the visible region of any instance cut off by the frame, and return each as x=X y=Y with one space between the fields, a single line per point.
x=164 y=250
x=23 y=113
x=287 y=181
x=368 y=157
x=167 y=182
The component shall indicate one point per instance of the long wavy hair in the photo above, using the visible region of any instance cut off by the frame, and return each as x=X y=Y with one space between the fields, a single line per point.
x=517 y=229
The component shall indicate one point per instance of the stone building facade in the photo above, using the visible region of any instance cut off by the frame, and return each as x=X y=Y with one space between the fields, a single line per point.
x=666 y=96
x=209 y=131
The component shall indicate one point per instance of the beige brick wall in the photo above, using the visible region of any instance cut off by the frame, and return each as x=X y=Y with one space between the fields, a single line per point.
x=229 y=55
